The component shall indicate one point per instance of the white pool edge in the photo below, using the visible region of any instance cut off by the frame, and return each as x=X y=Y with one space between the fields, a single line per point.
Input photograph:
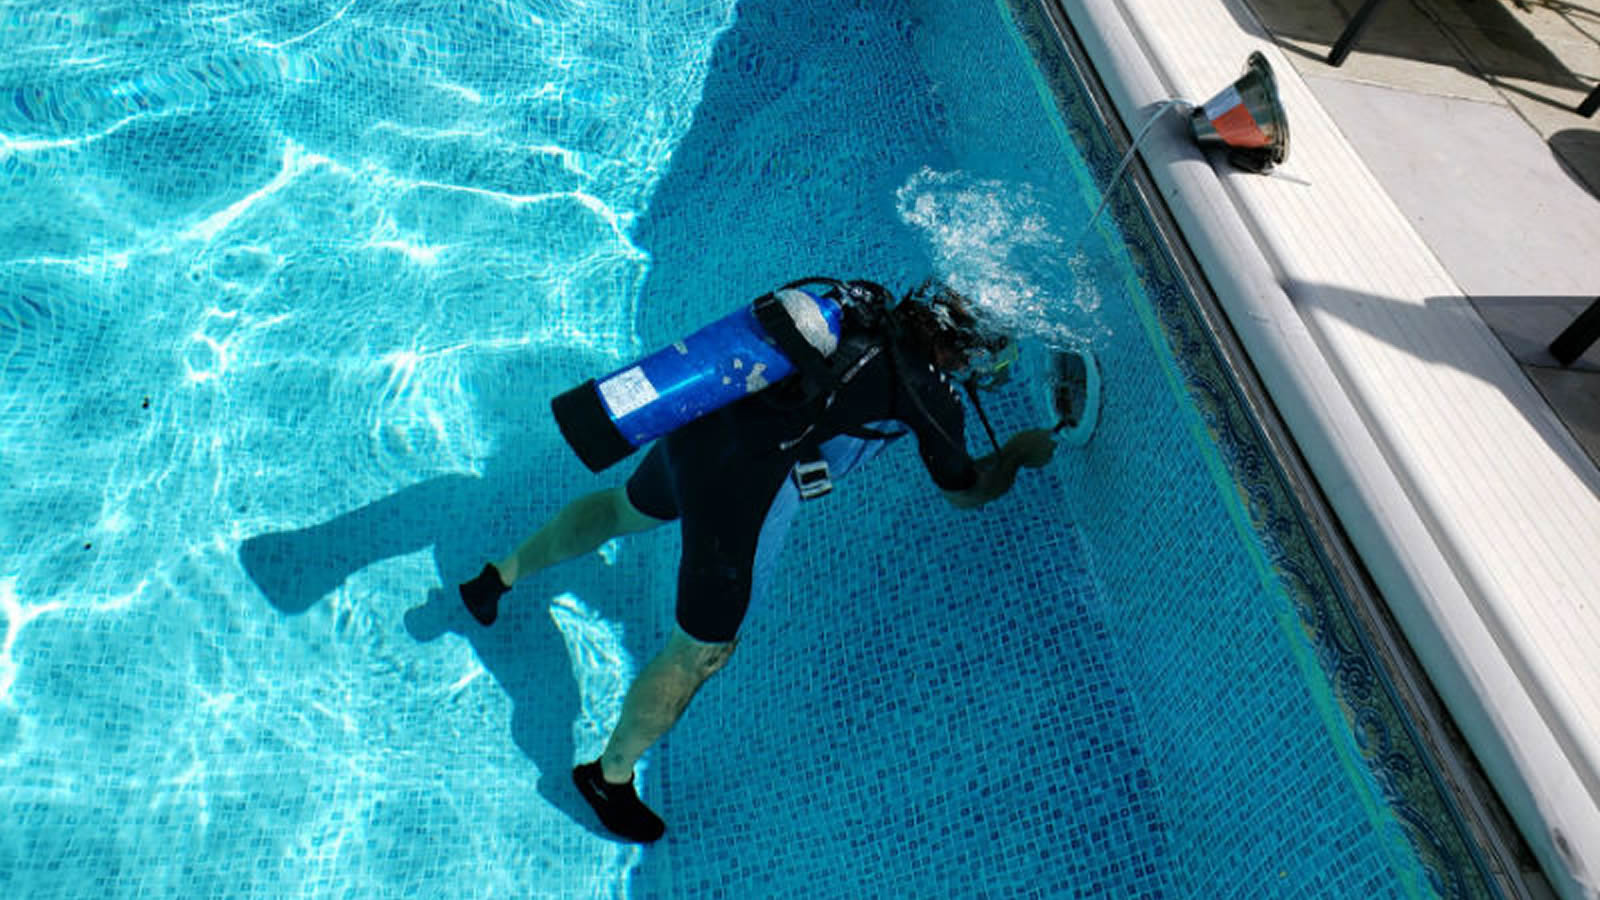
x=1496 y=711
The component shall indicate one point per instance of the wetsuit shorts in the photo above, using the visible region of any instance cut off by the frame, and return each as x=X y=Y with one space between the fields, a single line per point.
x=735 y=506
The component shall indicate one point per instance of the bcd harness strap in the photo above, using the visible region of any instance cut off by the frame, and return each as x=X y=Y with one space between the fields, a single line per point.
x=823 y=377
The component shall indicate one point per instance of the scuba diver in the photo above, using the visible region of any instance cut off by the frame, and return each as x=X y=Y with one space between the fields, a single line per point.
x=822 y=375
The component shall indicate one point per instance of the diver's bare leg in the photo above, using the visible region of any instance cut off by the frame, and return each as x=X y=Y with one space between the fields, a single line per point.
x=658 y=697
x=654 y=702
x=579 y=528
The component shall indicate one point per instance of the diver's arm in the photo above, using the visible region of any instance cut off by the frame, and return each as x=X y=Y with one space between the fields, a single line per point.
x=998 y=471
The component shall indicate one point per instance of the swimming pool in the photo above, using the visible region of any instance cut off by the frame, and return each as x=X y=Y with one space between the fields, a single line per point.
x=283 y=295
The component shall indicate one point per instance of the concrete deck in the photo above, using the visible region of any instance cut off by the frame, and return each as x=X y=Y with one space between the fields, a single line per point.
x=1395 y=284
x=1465 y=110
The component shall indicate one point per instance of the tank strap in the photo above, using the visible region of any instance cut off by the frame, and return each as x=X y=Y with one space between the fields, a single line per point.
x=873 y=434
x=810 y=473
x=823 y=377
x=777 y=322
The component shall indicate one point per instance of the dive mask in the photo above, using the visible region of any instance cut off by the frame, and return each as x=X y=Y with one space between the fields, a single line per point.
x=989 y=364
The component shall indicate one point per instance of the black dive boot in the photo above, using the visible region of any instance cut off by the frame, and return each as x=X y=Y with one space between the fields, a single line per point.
x=482 y=594
x=619 y=808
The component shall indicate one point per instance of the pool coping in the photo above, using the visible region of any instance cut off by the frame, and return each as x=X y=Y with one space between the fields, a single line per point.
x=1436 y=571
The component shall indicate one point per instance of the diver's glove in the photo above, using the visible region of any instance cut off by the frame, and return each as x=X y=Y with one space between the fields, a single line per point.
x=1032 y=448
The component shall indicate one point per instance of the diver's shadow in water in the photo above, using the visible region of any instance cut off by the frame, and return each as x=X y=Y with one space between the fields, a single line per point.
x=467 y=521
x=525 y=653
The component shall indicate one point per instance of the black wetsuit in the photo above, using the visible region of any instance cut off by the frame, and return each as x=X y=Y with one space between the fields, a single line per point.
x=726 y=475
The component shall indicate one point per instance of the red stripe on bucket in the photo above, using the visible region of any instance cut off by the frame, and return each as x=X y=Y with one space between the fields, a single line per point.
x=1238 y=128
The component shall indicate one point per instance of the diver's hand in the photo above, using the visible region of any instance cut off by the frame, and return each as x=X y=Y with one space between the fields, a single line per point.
x=996 y=474
x=1032 y=448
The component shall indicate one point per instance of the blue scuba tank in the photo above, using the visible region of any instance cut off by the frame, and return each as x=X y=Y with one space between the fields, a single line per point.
x=606 y=419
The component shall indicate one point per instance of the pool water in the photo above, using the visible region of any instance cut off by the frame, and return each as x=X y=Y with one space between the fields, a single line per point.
x=284 y=292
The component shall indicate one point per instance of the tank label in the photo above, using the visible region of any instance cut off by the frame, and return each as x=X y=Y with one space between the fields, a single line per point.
x=627 y=391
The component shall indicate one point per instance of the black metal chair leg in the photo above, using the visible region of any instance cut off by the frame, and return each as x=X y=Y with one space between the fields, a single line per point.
x=1347 y=40
x=1590 y=103
x=1578 y=337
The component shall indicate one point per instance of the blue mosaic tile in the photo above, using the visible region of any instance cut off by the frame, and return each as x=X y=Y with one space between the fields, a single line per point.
x=284 y=294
